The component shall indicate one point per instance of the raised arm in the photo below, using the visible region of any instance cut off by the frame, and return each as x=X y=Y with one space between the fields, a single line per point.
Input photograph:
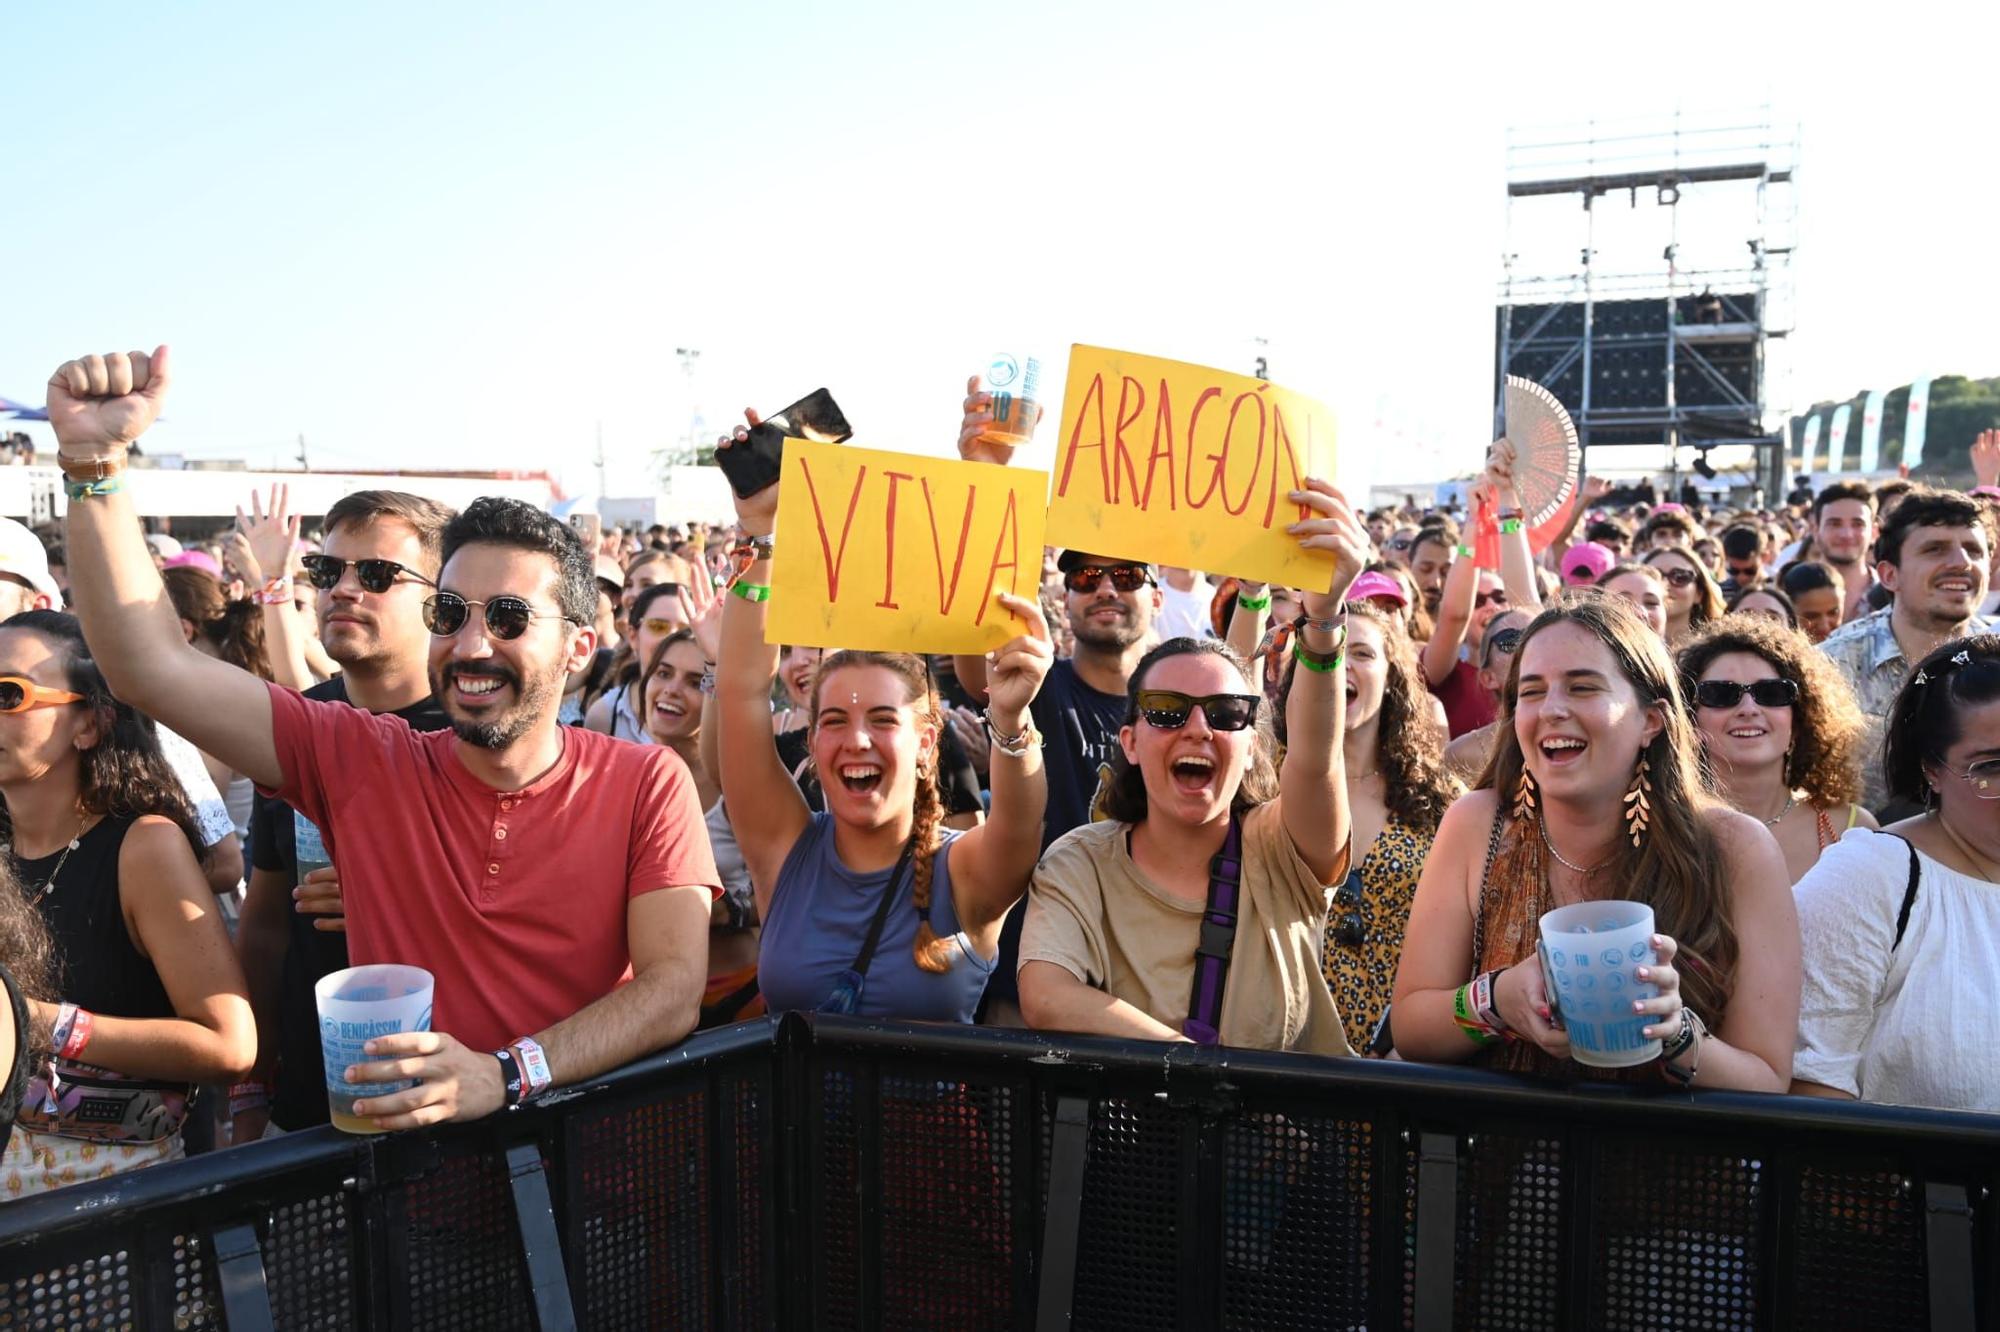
x=1246 y=623
x=99 y=405
x=262 y=547
x=1461 y=585
x=1312 y=784
x=975 y=445
x=1517 y=557
x=766 y=810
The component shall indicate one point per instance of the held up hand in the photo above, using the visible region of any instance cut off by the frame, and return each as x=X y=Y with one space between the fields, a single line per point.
x=1595 y=488
x=1986 y=457
x=708 y=629
x=1335 y=528
x=1500 y=473
x=1521 y=995
x=271 y=533
x=758 y=513
x=974 y=444
x=1015 y=671
x=453 y=1083
x=98 y=405
x=318 y=894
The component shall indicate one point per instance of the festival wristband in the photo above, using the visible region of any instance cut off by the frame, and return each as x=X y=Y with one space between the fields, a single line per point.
x=1250 y=603
x=78 y=1035
x=59 y=1032
x=1509 y=526
x=1467 y=552
x=1462 y=1014
x=534 y=1067
x=1326 y=663
x=510 y=1077
x=1505 y=514
x=756 y=547
x=276 y=592
x=248 y=1096
x=83 y=490
x=1483 y=1002
x=750 y=592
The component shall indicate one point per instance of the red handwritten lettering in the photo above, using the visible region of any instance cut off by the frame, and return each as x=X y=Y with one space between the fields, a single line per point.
x=1187 y=472
x=945 y=599
x=888 y=601
x=1009 y=527
x=1163 y=428
x=1222 y=459
x=833 y=562
x=1129 y=391
x=1282 y=451
x=1095 y=393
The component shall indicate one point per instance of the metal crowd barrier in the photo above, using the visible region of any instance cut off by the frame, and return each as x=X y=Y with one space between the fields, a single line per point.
x=806 y=1172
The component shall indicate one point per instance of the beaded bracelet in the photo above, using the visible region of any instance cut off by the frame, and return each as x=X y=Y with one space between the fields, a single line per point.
x=1254 y=603
x=750 y=592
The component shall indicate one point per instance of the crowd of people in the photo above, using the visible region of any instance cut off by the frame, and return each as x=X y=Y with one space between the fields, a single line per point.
x=568 y=776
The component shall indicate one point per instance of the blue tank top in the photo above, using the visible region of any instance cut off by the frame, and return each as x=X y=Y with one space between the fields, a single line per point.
x=820 y=913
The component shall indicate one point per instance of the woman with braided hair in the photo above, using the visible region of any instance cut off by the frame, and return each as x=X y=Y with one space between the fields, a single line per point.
x=841 y=933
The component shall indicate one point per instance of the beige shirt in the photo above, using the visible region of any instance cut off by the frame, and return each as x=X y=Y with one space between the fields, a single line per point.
x=1092 y=912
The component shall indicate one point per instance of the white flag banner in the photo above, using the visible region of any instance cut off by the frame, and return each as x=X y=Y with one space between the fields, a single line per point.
x=1919 y=417
x=1808 y=443
x=1871 y=430
x=1836 y=438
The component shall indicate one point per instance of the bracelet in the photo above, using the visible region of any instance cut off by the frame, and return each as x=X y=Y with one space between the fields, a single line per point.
x=1696 y=1036
x=1013 y=746
x=750 y=592
x=59 y=1032
x=1326 y=663
x=1468 y=552
x=1504 y=514
x=91 y=469
x=708 y=682
x=247 y=1096
x=510 y=1076
x=1334 y=624
x=1467 y=1021
x=1509 y=526
x=83 y=490
x=77 y=1034
x=534 y=1067
x=277 y=592
x=1254 y=603
x=756 y=547
x=1483 y=1001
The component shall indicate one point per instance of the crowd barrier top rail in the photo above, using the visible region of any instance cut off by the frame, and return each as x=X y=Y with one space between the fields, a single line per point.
x=812 y=1171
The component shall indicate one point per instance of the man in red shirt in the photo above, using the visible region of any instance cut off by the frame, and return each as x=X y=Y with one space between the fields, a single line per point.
x=556 y=883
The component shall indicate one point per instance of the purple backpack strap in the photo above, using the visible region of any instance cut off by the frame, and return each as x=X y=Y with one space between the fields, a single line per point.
x=1218 y=936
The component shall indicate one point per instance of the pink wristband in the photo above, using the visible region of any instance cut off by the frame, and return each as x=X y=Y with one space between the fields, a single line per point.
x=78 y=1036
x=535 y=1075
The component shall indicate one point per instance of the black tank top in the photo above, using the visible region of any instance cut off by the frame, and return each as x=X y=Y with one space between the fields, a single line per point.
x=101 y=969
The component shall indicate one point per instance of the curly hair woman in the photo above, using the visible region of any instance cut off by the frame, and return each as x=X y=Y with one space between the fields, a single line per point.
x=1397 y=792
x=1595 y=792
x=1782 y=732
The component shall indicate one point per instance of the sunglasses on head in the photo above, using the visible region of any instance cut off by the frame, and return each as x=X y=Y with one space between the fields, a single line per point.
x=506 y=617
x=1124 y=577
x=1348 y=928
x=1678 y=577
x=374 y=575
x=1771 y=693
x=19 y=694
x=1168 y=709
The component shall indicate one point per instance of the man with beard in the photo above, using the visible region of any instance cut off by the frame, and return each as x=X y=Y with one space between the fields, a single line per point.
x=1843 y=518
x=1936 y=551
x=554 y=882
x=379 y=561
x=1430 y=561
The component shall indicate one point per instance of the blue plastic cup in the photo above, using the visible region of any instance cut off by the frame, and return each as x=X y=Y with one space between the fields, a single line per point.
x=1591 y=954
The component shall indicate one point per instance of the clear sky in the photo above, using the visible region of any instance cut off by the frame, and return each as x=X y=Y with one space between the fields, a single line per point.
x=467 y=235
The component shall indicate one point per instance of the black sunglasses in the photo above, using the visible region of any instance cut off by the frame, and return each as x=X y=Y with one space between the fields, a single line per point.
x=1348 y=929
x=1497 y=597
x=1396 y=543
x=1678 y=577
x=324 y=572
x=1124 y=577
x=507 y=618
x=1771 y=693
x=1505 y=641
x=1168 y=709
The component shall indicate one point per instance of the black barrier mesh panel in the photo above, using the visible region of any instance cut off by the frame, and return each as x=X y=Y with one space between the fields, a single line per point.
x=1860 y=1259
x=196 y=1301
x=1128 y=1268
x=645 y=1222
x=1296 y=1240
x=947 y=1200
x=746 y=1296
x=1675 y=1237
x=1509 y=1239
x=306 y=1267
x=98 y=1291
x=840 y=1222
x=465 y=1258
x=1409 y=1230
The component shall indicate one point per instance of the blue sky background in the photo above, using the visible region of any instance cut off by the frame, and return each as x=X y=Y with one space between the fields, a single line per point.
x=459 y=235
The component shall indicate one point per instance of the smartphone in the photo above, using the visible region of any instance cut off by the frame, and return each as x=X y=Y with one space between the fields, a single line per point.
x=589 y=530
x=753 y=465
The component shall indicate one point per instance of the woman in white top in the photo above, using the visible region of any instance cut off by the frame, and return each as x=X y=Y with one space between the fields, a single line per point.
x=1901 y=931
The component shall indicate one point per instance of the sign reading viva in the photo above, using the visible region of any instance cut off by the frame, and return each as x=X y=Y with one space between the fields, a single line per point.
x=899 y=553
x=1179 y=464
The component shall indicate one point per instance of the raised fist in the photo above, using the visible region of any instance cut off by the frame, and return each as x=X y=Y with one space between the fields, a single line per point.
x=99 y=404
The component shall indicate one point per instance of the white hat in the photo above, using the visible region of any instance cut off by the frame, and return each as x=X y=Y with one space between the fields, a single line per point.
x=22 y=556
x=163 y=546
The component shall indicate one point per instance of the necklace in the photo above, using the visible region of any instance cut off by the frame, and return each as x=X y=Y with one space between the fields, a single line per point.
x=48 y=885
x=1790 y=801
x=1564 y=859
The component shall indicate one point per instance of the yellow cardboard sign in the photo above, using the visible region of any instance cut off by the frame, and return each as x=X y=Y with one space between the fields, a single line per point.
x=1179 y=464
x=900 y=553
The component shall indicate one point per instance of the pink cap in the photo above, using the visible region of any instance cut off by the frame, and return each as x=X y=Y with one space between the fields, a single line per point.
x=193 y=559
x=1373 y=584
x=1586 y=562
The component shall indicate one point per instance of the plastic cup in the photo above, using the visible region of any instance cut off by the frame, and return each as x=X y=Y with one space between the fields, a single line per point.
x=308 y=847
x=1016 y=384
x=1591 y=953
x=356 y=1006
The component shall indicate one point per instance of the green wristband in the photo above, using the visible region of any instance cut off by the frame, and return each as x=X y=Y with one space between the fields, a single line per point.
x=1509 y=526
x=1326 y=663
x=751 y=592
x=1254 y=603
x=83 y=490
x=1467 y=551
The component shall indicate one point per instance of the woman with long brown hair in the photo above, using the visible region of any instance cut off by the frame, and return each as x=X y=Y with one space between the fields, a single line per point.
x=1397 y=792
x=1595 y=791
x=1693 y=596
x=1781 y=730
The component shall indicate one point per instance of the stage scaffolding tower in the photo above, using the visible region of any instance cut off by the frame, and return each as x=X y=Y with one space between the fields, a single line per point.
x=1654 y=353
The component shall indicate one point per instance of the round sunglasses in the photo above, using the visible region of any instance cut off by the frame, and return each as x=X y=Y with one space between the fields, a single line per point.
x=1677 y=577
x=1168 y=709
x=1770 y=693
x=507 y=618
x=325 y=573
x=20 y=694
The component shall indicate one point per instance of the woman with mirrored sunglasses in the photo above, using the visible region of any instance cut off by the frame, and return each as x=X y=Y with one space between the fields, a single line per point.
x=1196 y=815
x=1693 y=596
x=1901 y=927
x=1781 y=731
